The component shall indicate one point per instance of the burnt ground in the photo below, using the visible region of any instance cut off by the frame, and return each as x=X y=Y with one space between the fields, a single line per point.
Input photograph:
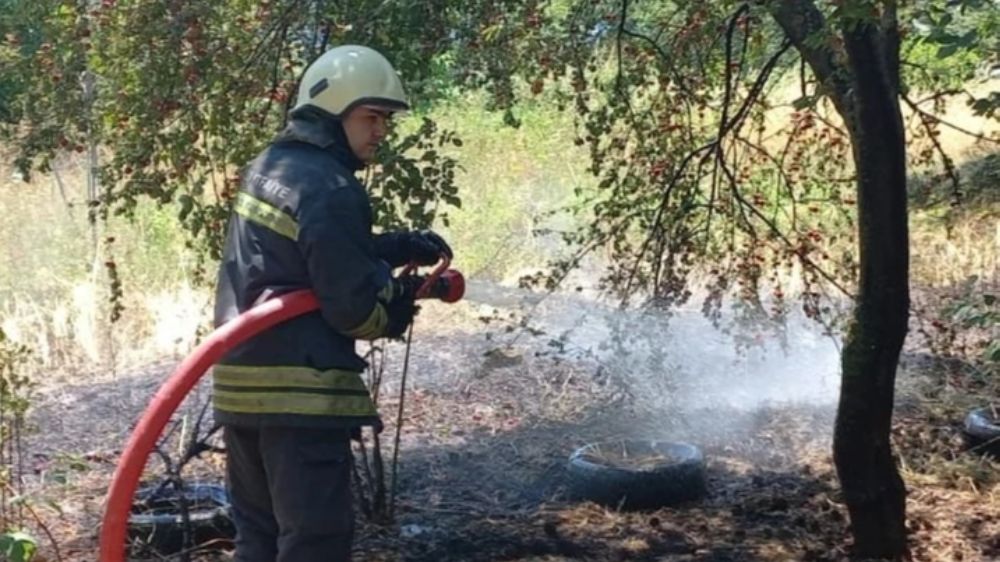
x=485 y=442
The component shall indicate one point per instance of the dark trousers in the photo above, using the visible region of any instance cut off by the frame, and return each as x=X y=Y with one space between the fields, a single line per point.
x=290 y=492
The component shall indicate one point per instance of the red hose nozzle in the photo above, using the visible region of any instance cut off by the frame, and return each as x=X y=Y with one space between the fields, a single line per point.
x=447 y=285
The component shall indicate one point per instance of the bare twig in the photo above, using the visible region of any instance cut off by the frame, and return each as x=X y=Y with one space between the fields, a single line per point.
x=38 y=521
x=946 y=161
x=802 y=258
x=378 y=489
x=265 y=42
x=57 y=178
x=664 y=57
x=399 y=421
x=704 y=151
x=735 y=127
x=619 y=78
x=174 y=476
x=915 y=106
x=368 y=502
x=196 y=446
x=275 y=81
x=937 y=96
x=618 y=47
x=726 y=127
x=557 y=282
x=358 y=485
x=833 y=126
x=728 y=93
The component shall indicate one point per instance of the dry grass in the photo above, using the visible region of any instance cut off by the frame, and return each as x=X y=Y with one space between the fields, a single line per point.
x=947 y=250
x=56 y=296
x=954 y=495
x=71 y=333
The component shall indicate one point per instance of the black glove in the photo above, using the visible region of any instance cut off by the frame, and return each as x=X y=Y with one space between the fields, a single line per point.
x=425 y=247
x=400 y=312
x=407 y=286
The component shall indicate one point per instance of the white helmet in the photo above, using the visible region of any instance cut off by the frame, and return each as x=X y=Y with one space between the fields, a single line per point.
x=348 y=76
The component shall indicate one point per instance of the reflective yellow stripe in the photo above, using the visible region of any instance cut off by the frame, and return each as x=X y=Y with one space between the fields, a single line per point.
x=290 y=390
x=298 y=377
x=373 y=327
x=305 y=404
x=387 y=293
x=266 y=215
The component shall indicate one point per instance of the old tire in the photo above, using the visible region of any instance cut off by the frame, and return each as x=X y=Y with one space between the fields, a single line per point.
x=636 y=475
x=982 y=431
x=156 y=522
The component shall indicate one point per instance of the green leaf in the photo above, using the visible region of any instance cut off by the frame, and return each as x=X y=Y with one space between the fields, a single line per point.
x=56 y=506
x=490 y=33
x=59 y=476
x=511 y=120
x=980 y=106
x=805 y=102
x=969 y=39
x=187 y=204
x=992 y=352
x=989 y=299
x=17 y=546
x=948 y=50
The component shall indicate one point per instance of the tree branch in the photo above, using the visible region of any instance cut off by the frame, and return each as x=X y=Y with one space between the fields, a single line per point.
x=915 y=106
x=618 y=47
x=707 y=150
x=804 y=24
x=808 y=263
x=728 y=92
x=620 y=78
x=267 y=40
x=773 y=227
x=275 y=81
x=781 y=172
x=949 y=165
x=727 y=97
x=664 y=56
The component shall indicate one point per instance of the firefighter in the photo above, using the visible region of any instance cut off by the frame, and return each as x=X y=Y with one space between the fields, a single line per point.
x=291 y=398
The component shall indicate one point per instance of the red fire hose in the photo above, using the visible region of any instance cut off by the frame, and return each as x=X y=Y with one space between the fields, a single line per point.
x=168 y=398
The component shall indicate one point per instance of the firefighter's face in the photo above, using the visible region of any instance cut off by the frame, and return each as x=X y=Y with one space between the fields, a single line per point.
x=366 y=128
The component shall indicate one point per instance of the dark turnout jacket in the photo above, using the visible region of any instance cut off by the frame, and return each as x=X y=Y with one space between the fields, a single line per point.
x=302 y=220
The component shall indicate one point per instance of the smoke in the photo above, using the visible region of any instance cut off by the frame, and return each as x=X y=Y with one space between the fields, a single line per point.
x=678 y=365
x=682 y=360
x=741 y=369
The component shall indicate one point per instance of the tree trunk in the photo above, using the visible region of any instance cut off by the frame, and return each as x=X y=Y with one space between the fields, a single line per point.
x=873 y=489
